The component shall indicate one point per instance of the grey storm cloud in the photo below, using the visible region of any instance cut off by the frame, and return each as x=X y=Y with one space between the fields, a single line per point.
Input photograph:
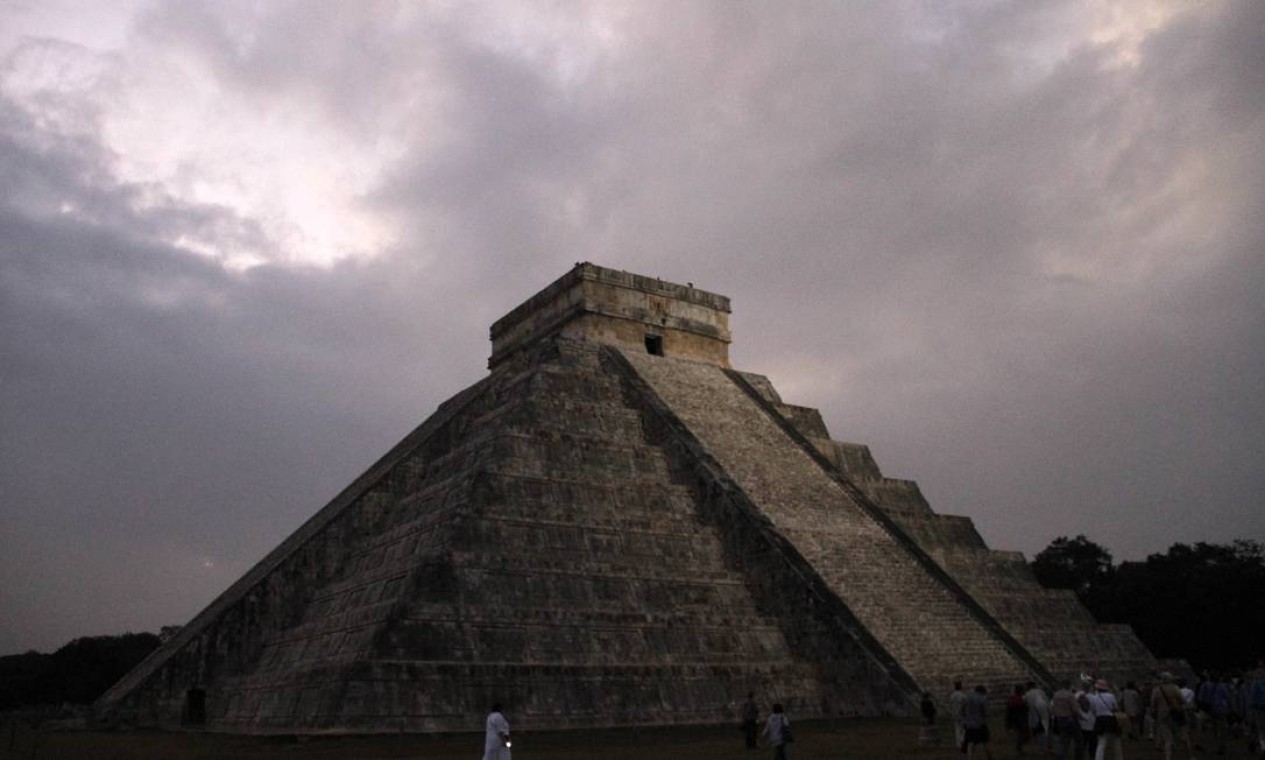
x=1019 y=258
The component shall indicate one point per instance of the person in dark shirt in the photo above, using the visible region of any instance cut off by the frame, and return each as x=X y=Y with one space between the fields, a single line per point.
x=975 y=723
x=928 y=709
x=750 y=720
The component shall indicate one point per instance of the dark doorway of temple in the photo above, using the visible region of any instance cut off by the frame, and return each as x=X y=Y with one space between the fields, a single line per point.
x=195 y=707
x=654 y=345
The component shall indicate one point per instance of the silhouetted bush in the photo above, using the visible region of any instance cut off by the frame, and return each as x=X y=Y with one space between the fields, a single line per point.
x=77 y=673
x=1200 y=602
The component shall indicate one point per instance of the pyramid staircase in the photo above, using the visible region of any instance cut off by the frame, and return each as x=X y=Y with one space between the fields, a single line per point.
x=916 y=613
x=1050 y=623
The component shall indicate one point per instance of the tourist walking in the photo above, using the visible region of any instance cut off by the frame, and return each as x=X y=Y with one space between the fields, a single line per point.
x=1203 y=707
x=777 y=732
x=1170 y=716
x=1218 y=702
x=975 y=724
x=750 y=720
x=1038 y=716
x=956 y=700
x=1238 y=706
x=1106 y=726
x=1086 y=718
x=1256 y=708
x=496 y=738
x=1131 y=701
x=1065 y=713
x=1017 y=717
x=1188 y=702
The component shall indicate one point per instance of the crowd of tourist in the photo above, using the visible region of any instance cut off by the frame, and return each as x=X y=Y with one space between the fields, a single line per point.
x=1095 y=720
x=1086 y=720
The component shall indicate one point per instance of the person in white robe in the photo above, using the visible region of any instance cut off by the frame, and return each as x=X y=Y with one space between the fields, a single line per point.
x=496 y=740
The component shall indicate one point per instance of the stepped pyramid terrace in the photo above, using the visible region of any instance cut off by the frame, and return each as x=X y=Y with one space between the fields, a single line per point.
x=614 y=527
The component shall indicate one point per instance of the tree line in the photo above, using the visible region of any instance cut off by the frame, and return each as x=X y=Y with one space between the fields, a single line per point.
x=77 y=673
x=1200 y=602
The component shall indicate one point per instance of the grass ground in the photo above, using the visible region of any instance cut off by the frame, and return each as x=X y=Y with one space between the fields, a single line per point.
x=869 y=739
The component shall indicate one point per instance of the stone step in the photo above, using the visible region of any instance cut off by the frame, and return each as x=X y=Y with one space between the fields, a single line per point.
x=555 y=454
x=722 y=613
x=939 y=533
x=347 y=635
x=410 y=696
x=600 y=517
x=543 y=385
x=559 y=411
x=586 y=419
x=537 y=494
x=899 y=497
x=466 y=455
x=595 y=386
x=552 y=564
x=524 y=641
x=619 y=591
x=1034 y=609
x=853 y=459
x=665 y=542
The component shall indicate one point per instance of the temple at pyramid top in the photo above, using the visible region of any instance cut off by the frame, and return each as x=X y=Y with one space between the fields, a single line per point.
x=634 y=312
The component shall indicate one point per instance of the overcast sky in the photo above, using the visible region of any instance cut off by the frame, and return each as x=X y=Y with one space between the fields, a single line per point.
x=1015 y=247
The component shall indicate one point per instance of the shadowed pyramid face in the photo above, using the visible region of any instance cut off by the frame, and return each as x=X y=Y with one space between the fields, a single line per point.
x=636 y=313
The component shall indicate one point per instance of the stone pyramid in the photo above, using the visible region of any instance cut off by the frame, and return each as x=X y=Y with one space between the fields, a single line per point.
x=614 y=528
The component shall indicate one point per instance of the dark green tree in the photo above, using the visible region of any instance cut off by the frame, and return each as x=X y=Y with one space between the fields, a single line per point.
x=1200 y=602
x=1197 y=602
x=86 y=667
x=1077 y=564
x=79 y=672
